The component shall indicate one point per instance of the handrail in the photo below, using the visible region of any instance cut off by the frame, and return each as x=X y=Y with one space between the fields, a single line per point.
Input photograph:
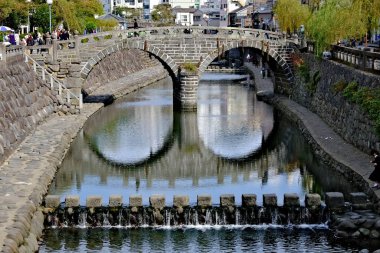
x=52 y=80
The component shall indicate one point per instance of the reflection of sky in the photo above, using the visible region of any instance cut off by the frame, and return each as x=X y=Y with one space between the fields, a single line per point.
x=140 y=133
x=230 y=123
x=220 y=76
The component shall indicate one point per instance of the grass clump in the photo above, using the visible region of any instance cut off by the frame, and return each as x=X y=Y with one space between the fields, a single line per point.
x=189 y=67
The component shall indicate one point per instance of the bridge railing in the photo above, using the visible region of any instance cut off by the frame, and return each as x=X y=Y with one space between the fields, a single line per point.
x=82 y=47
x=363 y=59
x=53 y=82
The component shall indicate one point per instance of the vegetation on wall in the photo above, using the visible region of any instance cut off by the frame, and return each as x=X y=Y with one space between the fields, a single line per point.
x=189 y=67
x=367 y=98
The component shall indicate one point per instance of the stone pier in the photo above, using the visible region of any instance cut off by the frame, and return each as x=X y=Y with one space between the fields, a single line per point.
x=185 y=92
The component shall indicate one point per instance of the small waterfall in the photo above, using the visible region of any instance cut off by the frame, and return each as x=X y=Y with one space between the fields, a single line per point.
x=275 y=218
x=237 y=216
x=146 y=216
x=167 y=217
x=82 y=221
x=217 y=222
x=105 y=221
x=260 y=214
x=208 y=217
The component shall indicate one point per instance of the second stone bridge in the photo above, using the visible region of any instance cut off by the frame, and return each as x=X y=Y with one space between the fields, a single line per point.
x=175 y=47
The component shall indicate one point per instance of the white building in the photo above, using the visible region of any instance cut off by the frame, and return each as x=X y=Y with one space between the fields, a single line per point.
x=110 y=5
x=187 y=16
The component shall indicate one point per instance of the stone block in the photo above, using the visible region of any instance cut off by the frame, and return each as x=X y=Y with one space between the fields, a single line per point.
x=248 y=200
x=358 y=198
x=269 y=200
x=52 y=201
x=157 y=201
x=135 y=201
x=334 y=201
x=115 y=200
x=72 y=201
x=291 y=200
x=94 y=201
x=312 y=200
x=204 y=200
x=227 y=200
x=75 y=68
x=180 y=201
x=73 y=82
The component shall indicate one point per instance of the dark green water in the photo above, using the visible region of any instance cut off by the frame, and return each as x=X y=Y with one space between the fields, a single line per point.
x=233 y=144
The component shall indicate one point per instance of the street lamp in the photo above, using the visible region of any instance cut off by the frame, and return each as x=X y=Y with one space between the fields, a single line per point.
x=28 y=28
x=49 y=2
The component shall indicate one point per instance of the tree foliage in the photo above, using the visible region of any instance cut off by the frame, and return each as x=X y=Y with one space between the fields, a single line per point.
x=291 y=14
x=74 y=14
x=341 y=19
x=163 y=13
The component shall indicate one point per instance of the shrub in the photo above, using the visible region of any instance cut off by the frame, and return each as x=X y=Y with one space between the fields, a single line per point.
x=339 y=86
x=190 y=67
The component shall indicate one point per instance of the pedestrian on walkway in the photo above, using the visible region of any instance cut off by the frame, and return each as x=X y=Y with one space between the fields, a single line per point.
x=263 y=72
x=375 y=175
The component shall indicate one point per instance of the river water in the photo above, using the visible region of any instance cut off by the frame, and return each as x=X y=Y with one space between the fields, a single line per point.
x=233 y=144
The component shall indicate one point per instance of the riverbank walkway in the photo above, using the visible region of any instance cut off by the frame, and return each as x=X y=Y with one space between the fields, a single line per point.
x=27 y=172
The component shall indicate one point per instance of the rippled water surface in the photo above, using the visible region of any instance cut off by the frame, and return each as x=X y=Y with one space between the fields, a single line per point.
x=244 y=239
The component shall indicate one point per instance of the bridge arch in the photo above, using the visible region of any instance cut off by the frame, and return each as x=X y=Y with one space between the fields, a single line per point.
x=260 y=45
x=165 y=58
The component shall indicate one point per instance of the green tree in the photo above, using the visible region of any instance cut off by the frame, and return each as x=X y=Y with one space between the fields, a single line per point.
x=75 y=14
x=6 y=8
x=291 y=14
x=337 y=19
x=163 y=14
x=41 y=18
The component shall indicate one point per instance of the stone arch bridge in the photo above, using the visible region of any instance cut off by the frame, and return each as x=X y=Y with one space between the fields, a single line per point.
x=175 y=47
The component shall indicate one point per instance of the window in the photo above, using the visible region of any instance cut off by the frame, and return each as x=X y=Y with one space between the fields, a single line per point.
x=183 y=18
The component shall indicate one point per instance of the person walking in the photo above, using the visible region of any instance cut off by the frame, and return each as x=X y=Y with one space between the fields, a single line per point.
x=375 y=175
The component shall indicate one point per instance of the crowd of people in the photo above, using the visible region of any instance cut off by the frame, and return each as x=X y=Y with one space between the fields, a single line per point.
x=35 y=38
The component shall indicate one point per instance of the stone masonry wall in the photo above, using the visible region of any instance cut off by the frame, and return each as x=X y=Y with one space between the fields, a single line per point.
x=347 y=119
x=116 y=66
x=25 y=101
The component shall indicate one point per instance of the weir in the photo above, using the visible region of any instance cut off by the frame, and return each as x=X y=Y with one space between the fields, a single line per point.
x=116 y=214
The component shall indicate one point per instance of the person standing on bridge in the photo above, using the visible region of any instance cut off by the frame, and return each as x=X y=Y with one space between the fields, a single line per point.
x=375 y=175
x=135 y=26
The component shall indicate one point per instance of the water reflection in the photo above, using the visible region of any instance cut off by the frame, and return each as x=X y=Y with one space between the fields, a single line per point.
x=133 y=130
x=232 y=123
x=251 y=239
x=233 y=145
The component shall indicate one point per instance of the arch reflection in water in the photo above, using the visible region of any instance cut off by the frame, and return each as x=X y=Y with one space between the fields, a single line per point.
x=177 y=160
x=232 y=123
x=133 y=130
